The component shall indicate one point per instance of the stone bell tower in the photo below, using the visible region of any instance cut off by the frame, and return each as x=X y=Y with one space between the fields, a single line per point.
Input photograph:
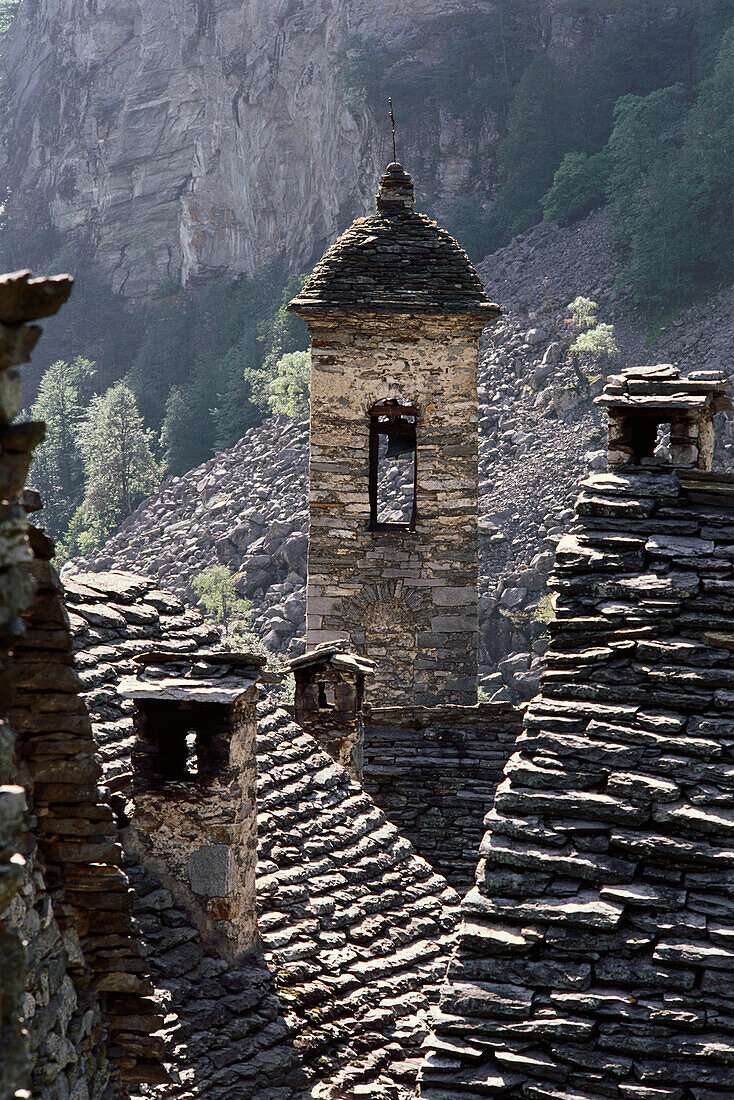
x=395 y=310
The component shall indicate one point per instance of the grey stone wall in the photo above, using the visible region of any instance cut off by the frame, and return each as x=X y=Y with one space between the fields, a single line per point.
x=202 y=832
x=434 y=771
x=406 y=599
x=74 y=1017
x=594 y=958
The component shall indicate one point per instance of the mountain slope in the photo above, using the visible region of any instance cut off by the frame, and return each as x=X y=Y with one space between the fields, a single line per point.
x=173 y=140
x=247 y=507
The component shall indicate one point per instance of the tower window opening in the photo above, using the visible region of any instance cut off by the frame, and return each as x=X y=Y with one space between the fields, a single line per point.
x=393 y=467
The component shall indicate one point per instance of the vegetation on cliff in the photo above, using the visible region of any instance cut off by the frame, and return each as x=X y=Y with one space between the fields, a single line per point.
x=667 y=173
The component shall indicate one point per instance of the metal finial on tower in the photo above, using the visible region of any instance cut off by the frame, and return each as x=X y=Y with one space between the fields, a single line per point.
x=392 y=120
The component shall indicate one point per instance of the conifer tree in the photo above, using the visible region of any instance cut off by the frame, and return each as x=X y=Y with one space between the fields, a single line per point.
x=119 y=463
x=58 y=471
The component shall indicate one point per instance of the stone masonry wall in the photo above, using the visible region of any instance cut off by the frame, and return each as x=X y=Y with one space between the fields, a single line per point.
x=202 y=832
x=595 y=955
x=78 y=841
x=50 y=1031
x=434 y=771
x=405 y=599
x=73 y=1012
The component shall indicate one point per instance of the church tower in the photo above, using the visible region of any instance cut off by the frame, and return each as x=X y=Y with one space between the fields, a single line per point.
x=395 y=310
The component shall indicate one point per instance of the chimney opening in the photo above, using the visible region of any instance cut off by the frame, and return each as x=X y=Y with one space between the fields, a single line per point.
x=327 y=696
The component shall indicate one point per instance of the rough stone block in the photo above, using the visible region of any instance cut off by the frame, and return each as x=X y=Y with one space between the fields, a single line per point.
x=212 y=871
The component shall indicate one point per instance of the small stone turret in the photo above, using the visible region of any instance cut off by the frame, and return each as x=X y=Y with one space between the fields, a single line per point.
x=642 y=399
x=328 y=702
x=194 y=780
x=396 y=190
x=395 y=311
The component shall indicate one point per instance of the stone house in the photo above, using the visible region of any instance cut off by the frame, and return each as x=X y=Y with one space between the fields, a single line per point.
x=196 y=900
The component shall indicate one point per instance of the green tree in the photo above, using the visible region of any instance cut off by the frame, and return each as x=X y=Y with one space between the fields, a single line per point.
x=289 y=389
x=217 y=594
x=58 y=472
x=174 y=438
x=87 y=531
x=119 y=465
x=646 y=196
x=594 y=344
x=707 y=169
x=8 y=9
x=671 y=184
x=283 y=331
x=579 y=186
x=598 y=343
x=538 y=135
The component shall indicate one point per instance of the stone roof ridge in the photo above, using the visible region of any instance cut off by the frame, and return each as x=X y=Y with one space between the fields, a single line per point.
x=664 y=386
x=395 y=261
x=191 y=677
x=225 y=659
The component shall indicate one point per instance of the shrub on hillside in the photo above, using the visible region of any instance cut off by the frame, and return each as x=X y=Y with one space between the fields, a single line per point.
x=218 y=596
x=289 y=389
x=579 y=186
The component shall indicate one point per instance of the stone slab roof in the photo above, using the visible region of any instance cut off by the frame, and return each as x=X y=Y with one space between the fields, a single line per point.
x=595 y=957
x=644 y=389
x=356 y=928
x=396 y=261
x=197 y=677
x=335 y=654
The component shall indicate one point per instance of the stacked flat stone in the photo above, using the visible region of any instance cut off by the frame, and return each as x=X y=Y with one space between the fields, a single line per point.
x=356 y=928
x=72 y=1004
x=394 y=261
x=395 y=311
x=76 y=833
x=22 y=301
x=337 y=725
x=114 y=618
x=649 y=396
x=434 y=771
x=595 y=956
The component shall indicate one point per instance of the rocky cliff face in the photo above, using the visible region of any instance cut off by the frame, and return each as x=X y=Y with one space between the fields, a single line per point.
x=181 y=138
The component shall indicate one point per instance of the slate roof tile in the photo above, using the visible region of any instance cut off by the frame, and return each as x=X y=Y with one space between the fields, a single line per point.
x=329 y=1006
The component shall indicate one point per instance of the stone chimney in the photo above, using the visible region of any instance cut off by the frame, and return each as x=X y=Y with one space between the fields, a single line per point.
x=642 y=399
x=328 y=703
x=194 y=781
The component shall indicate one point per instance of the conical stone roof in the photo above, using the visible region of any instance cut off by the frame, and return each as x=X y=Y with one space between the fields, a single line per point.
x=396 y=261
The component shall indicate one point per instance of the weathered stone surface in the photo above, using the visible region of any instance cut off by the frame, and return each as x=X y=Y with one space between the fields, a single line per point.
x=58 y=844
x=608 y=845
x=356 y=928
x=384 y=332
x=434 y=770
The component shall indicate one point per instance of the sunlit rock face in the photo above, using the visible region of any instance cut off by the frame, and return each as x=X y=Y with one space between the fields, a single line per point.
x=175 y=140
